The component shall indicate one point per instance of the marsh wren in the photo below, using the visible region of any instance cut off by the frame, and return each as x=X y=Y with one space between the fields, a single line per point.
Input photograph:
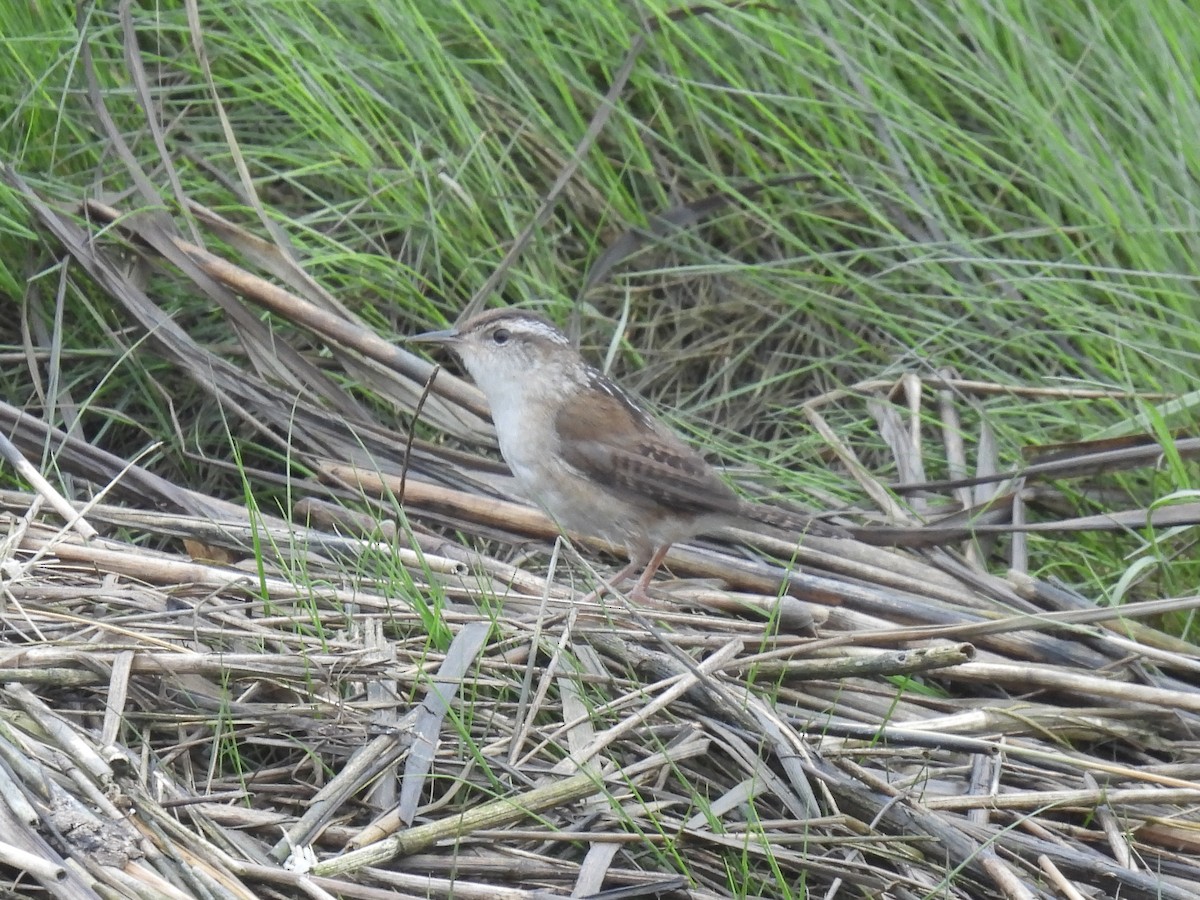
x=586 y=451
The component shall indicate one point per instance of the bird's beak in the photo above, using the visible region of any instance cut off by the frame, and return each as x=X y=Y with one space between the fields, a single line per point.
x=448 y=336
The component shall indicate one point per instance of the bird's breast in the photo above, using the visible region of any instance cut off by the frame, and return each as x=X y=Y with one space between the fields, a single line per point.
x=527 y=440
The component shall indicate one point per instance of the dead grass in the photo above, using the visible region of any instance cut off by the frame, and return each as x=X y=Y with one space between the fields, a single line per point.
x=265 y=708
x=323 y=690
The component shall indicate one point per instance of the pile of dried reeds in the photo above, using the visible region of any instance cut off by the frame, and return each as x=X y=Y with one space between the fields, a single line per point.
x=329 y=706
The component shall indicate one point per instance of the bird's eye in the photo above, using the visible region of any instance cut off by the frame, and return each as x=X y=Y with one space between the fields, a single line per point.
x=500 y=336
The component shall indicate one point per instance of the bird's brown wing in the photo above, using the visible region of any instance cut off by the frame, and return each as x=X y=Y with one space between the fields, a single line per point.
x=622 y=447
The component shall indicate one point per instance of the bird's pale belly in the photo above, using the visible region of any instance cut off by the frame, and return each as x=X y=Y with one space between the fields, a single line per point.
x=579 y=506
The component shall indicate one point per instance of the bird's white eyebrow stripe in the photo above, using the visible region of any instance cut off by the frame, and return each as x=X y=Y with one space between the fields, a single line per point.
x=546 y=331
x=528 y=325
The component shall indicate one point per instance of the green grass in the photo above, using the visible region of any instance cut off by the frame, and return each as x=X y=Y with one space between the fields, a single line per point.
x=1008 y=190
x=1004 y=189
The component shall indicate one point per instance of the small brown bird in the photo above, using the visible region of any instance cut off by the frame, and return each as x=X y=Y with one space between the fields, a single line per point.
x=585 y=451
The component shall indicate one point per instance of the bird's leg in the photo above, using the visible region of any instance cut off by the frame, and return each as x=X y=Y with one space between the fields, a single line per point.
x=633 y=565
x=610 y=584
x=639 y=592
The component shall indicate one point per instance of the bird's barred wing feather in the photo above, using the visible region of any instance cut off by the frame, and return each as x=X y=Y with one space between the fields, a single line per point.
x=618 y=444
